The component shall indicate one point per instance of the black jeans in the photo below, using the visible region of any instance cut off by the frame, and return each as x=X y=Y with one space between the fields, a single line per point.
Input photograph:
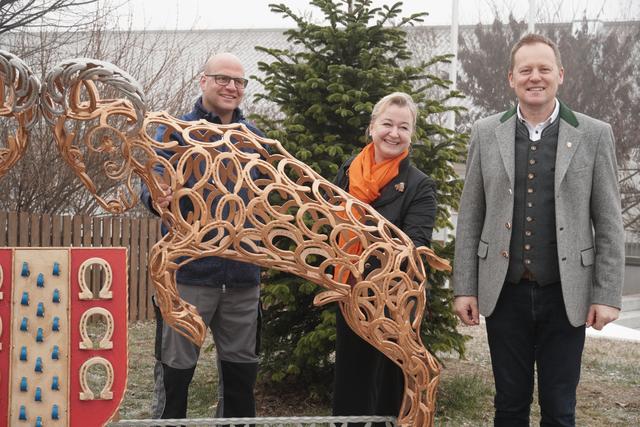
x=529 y=327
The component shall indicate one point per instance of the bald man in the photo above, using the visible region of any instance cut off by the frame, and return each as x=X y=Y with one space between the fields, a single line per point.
x=225 y=292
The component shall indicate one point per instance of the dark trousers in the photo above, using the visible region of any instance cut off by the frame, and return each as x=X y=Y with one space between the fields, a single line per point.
x=529 y=327
x=234 y=318
x=366 y=381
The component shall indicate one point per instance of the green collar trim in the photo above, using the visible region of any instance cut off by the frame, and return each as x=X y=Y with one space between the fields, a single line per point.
x=508 y=114
x=565 y=114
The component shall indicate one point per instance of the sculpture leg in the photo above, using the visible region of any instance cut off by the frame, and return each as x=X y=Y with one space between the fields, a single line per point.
x=421 y=370
x=178 y=314
x=420 y=392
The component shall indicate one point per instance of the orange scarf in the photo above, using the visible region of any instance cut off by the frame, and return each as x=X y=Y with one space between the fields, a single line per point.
x=366 y=180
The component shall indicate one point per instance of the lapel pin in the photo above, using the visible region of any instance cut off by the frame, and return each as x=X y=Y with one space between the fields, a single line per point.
x=400 y=187
x=568 y=145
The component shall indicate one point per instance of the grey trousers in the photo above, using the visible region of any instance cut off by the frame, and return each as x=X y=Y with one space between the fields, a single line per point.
x=232 y=315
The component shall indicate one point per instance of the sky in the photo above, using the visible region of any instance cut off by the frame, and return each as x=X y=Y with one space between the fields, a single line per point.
x=252 y=14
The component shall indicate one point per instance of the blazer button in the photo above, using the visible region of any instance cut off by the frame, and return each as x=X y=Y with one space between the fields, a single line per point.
x=529 y=219
x=527 y=261
x=527 y=247
x=508 y=225
x=505 y=254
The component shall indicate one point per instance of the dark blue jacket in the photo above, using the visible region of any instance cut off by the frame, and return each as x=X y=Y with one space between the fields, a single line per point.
x=209 y=271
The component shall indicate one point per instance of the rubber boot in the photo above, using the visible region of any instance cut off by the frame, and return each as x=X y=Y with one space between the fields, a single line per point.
x=237 y=383
x=176 y=387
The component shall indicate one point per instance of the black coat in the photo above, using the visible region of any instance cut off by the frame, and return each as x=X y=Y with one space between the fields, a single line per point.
x=408 y=201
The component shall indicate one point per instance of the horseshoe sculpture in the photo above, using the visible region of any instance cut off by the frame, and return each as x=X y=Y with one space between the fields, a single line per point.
x=292 y=222
x=19 y=96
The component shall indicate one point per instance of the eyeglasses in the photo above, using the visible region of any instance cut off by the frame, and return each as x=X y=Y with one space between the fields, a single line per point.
x=223 y=80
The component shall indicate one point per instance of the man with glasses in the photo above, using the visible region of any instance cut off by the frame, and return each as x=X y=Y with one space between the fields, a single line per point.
x=225 y=292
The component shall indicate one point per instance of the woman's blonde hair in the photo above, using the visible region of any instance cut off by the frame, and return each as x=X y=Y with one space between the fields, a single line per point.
x=400 y=99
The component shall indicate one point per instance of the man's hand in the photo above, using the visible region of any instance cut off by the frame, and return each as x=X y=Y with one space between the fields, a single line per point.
x=164 y=201
x=599 y=315
x=466 y=307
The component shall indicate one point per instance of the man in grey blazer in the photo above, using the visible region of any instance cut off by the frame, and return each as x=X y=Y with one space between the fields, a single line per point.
x=540 y=244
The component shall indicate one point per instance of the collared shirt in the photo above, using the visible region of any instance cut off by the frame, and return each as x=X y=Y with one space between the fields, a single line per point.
x=535 y=131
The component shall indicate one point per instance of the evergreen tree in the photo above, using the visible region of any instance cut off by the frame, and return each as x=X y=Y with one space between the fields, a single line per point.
x=325 y=86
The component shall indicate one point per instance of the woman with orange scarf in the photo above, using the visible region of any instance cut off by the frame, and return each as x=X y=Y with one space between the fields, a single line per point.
x=366 y=381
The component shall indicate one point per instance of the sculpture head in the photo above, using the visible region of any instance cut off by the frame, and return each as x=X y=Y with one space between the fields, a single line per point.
x=96 y=112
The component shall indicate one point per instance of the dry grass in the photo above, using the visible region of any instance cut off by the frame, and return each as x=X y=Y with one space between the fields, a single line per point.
x=609 y=392
x=137 y=400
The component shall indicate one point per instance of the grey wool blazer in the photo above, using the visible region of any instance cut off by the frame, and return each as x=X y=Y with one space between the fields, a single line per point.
x=589 y=228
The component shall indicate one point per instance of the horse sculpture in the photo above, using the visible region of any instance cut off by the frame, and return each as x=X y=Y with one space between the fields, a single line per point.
x=292 y=222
